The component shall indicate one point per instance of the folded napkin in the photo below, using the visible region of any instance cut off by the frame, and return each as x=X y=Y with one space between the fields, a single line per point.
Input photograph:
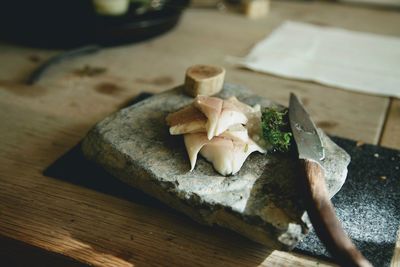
x=357 y=61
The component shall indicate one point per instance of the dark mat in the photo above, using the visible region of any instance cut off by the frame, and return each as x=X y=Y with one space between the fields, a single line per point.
x=368 y=204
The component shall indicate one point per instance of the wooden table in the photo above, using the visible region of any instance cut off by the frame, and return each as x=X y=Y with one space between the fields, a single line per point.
x=42 y=217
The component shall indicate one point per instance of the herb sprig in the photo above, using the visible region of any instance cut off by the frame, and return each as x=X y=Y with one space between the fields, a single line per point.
x=275 y=130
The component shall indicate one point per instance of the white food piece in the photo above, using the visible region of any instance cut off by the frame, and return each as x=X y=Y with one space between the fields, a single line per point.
x=219 y=151
x=241 y=151
x=253 y=124
x=211 y=108
x=192 y=127
x=226 y=155
x=209 y=114
x=236 y=132
x=230 y=115
x=246 y=109
x=194 y=142
x=219 y=130
x=186 y=120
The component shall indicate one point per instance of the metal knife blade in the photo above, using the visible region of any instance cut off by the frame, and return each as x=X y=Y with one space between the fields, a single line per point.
x=304 y=131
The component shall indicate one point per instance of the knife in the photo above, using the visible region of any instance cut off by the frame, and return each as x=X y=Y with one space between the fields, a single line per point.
x=319 y=207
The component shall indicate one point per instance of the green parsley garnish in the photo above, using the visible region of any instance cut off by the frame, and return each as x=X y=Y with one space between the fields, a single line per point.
x=275 y=130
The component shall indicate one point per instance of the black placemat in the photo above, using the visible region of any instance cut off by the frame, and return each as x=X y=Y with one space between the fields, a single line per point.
x=368 y=204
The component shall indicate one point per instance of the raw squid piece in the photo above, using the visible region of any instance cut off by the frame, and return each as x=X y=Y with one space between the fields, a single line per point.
x=194 y=143
x=226 y=155
x=211 y=108
x=186 y=120
x=219 y=151
x=236 y=132
x=215 y=128
x=244 y=108
x=230 y=115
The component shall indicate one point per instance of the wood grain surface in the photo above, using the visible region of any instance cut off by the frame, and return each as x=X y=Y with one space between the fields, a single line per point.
x=16 y=253
x=41 y=123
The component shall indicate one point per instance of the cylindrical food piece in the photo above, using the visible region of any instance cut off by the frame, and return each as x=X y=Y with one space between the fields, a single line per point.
x=204 y=80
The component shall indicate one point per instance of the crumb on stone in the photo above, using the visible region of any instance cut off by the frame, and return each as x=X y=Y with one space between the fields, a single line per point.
x=376 y=155
x=383 y=177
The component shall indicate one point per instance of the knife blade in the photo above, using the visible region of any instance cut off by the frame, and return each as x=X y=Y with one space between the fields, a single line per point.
x=305 y=133
x=318 y=204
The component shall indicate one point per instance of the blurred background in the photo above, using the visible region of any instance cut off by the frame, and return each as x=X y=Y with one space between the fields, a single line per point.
x=68 y=24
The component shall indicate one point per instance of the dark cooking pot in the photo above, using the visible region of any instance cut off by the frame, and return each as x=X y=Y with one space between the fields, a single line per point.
x=72 y=23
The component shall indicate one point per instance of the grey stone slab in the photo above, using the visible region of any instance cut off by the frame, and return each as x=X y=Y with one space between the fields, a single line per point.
x=261 y=202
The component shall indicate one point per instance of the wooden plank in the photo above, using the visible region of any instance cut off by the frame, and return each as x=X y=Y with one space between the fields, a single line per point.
x=12 y=250
x=391 y=132
x=18 y=61
x=92 y=227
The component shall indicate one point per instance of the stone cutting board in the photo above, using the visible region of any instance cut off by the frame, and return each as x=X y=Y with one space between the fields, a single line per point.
x=261 y=202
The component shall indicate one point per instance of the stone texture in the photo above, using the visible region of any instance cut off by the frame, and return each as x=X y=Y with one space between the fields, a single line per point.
x=261 y=202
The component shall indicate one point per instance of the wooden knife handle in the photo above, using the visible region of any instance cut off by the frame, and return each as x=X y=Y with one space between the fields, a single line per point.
x=323 y=217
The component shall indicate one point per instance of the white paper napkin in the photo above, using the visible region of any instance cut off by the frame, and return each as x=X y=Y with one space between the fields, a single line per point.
x=341 y=58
